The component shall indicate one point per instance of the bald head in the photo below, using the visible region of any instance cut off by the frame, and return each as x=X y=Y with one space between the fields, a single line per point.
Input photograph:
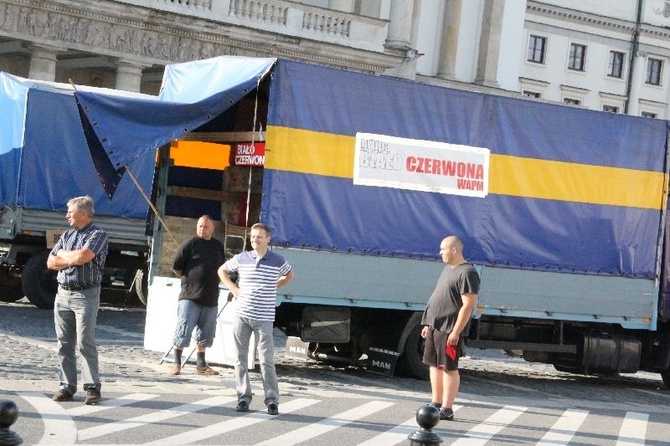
x=451 y=250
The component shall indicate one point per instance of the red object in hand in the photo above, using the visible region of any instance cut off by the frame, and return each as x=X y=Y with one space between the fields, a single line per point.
x=452 y=352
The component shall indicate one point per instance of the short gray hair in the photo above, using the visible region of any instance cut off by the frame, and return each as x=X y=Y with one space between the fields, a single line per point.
x=83 y=203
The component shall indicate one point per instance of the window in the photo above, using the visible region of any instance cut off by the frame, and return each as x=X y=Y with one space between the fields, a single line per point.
x=536 y=49
x=648 y=115
x=532 y=94
x=577 y=58
x=610 y=109
x=615 y=64
x=572 y=101
x=654 y=71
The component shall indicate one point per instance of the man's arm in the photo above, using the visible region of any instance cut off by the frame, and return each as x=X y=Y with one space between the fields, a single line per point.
x=179 y=273
x=283 y=280
x=464 y=314
x=65 y=259
x=224 y=275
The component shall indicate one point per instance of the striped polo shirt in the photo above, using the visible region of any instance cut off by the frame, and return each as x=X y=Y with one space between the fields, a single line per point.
x=92 y=237
x=258 y=279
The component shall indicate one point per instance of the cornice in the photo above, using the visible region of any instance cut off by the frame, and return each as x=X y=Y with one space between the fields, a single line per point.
x=121 y=30
x=571 y=15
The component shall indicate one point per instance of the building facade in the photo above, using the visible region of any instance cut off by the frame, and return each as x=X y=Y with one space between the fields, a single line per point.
x=609 y=57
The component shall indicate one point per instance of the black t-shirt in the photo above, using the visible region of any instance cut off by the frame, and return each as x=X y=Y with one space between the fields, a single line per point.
x=445 y=302
x=199 y=260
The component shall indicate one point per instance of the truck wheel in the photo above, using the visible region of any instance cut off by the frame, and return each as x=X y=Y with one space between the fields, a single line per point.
x=10 y=286
x=142 y=285
x=665 y=374
x=411 y=362
x=39 y=282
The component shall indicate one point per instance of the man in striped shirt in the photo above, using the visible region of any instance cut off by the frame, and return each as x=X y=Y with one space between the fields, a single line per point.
x=261 y=272
x=79 y=257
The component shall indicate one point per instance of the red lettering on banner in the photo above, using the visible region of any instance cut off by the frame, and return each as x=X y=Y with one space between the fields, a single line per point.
x=436 y=166
x=470 y=184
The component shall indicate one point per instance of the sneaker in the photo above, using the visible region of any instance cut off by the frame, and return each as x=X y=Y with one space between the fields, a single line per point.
x=62 y=395
x=446 y=414
x=206 y=370
x=92 y=397
x=273 y=409
x=242 y=406
x=176 y=369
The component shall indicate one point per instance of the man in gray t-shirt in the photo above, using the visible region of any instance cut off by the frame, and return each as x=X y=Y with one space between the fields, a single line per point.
x=446 y=316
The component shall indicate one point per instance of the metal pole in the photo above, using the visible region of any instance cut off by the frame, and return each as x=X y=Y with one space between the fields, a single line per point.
x=9 y=413
x=427 y=417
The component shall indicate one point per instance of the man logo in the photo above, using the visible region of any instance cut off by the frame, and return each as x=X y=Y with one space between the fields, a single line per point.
x=381 y=365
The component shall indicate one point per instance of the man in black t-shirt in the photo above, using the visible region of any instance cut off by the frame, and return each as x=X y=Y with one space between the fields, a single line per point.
x=445 y=318
x=196 y=263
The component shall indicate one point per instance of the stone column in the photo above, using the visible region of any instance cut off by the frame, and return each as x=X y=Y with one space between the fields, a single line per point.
x=128 y=75
x=446 y=68
x=43 y=62
x=400 y=25
x=489 y=44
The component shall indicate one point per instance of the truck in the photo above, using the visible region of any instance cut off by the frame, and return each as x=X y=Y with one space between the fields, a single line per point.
x=562 y=210
x=45 y=161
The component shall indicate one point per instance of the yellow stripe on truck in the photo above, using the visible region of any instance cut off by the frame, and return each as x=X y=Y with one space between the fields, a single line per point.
x=319 y=153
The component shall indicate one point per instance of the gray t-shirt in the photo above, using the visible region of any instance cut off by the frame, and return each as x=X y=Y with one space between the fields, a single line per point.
x=445 y=302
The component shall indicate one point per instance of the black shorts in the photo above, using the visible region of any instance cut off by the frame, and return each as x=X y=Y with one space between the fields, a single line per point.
x=435 y=351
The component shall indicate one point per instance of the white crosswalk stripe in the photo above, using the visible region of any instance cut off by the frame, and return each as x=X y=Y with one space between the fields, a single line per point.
x=386 y=423
x=633 y=425
x=154 y=417
x=564 y=429
x=110 y=404
x=483 y=432
x=398 y=434
x=233 y=424
x=321 y=427
x=59 y=427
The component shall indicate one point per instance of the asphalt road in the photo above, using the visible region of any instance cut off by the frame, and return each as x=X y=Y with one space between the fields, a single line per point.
x=503 y=400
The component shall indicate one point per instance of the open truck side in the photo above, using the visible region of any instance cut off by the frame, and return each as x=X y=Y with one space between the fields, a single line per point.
x=45 y=161
x=563 y=211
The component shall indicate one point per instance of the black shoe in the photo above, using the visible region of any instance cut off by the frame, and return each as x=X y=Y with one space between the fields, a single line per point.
x=92 y=397
x=273 y=409
x=242 y=406
x=62 y=395
x=446 y=414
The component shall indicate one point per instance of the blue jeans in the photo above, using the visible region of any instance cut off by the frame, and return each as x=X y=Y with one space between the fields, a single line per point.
x=242 y=329
x=75 y=316
x=190 y=315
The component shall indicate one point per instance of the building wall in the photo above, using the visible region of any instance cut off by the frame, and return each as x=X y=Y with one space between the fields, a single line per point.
x=95 y=43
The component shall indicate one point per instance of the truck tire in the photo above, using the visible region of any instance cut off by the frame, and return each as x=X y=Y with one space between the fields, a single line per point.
x=411 y=362
x=10 y=286
x=141 y=285
x=39 y=282
x=665 y=374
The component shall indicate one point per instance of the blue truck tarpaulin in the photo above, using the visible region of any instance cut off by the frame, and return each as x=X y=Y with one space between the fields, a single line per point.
x=570 y=190
x=120 y=130
x=44 y=157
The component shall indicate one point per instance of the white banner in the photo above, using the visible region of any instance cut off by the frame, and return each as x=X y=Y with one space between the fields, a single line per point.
x=388 y=161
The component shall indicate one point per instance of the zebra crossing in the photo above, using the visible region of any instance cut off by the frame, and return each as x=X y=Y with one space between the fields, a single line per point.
x=153 y=418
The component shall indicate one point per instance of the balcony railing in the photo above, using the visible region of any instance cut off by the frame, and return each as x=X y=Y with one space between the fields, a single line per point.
x=283 y=17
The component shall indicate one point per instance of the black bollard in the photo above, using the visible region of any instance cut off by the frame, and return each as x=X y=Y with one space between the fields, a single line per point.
x=427 y=417
x=9 y=413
